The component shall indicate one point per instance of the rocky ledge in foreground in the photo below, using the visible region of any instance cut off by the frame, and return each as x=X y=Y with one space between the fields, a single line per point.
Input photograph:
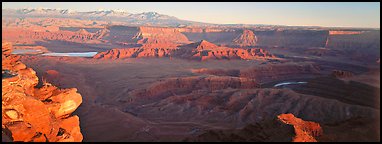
x=33 y=113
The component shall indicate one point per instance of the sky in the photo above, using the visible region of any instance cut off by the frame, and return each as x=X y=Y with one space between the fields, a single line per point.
x=329 y=14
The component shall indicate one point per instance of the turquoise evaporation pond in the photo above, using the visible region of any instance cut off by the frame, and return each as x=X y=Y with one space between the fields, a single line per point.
x=24 y=51
x=288 y=83
x=76 y=54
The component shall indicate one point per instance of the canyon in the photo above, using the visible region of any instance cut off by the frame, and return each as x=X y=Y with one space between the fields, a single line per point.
x=157 y=78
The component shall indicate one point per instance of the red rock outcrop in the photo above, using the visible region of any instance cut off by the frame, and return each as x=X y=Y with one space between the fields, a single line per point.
x=202 y=30
x=53 y=76
x=32 y=114
x=274 y=72
x=203 y=45
x=224 y=101
x=52 y=73
x=266 y=37
x=83 y=32
x=351 y=92
x=342 y=74
x=19 y=34
x=202 y=50
x=345 y=32
x=306 y=131
x=275 y=130
x=360 y=46
x=52 y=29
x=155 y=44
x=155 y=37
x=247 y=38
x=266 y=73
x=217 y=72
x=162 y=89
x=161 y=35
x=214 y=35
x=134 y=53
x=102 y=33
x=284 y=128
x=270 y=130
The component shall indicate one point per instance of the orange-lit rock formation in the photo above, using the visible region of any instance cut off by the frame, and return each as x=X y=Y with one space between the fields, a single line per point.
x=169 y=35
x=345 y=32
x=32 y=114
x=305 y=131
x=342 y=74
x=80 y=36
x=158 y=37
x=134 y=53
x=247 y=38
x=202 y=50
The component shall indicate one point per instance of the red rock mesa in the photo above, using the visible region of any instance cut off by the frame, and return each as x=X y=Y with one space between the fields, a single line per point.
x=202 y=50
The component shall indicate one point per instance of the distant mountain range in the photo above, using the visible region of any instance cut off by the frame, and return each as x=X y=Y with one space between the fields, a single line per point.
x=146 y=18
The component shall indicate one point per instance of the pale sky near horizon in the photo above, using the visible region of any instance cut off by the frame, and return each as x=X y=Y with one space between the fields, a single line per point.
x=328 y=14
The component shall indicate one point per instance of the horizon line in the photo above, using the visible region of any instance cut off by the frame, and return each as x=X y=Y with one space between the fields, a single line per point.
x=127 y=11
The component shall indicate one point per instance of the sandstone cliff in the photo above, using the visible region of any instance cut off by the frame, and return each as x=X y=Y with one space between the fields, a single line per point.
x=33 y=113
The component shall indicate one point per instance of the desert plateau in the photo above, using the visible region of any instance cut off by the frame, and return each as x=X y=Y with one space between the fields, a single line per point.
x=109 y=75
